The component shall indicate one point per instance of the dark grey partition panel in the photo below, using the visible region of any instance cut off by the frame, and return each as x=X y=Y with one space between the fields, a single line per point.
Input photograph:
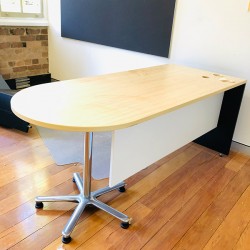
x=138 y=25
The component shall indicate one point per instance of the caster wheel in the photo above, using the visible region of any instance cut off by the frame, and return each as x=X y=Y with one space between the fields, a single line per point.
x=122 y=189
x=39 y=204
x=66 y=240
x=73 y=179
x=124 y=225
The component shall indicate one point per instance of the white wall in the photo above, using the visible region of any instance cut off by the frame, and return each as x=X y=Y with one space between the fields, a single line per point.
x=213 y=35
x=71 y=58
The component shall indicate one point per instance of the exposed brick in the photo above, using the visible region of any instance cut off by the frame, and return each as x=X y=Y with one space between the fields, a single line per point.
x=45 y=66
x=35 y=72
x=4 y=31
x=44 y=43
x=32 y=67
x=35 y=61
x=20 y=74
x=28 y=38
x=33 y=44
x=44 y=49
x=19 y=69
x=27 y=62
x=6 y=76
x=20 y=63
x=43 y=60
x=18 y=60
x=34 y=31
x=41 y=37
x=44 y=31
x=4 y=45
x=12 y=64
x=9 y=39
x=3 y=64
x=18 y=51
x=17 y=31
x=5 y=71
x=18 y=45
x=4 y=55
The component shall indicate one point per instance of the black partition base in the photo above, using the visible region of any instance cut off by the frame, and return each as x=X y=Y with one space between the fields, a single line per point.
x=7 y=118
x=220 y=138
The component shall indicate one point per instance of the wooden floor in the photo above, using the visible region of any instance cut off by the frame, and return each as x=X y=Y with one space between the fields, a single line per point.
x=191 y=199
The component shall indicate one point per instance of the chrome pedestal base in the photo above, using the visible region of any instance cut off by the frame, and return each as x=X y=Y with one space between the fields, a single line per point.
x=85 y=197
x=83 y=202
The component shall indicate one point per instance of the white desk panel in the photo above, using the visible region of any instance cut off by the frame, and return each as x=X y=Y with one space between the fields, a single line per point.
x=136 y=147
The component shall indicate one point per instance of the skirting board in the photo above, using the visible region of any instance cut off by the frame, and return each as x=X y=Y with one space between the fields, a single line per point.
x=238 y=147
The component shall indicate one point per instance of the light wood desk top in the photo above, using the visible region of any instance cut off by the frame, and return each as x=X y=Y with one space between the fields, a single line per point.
x=119 y=100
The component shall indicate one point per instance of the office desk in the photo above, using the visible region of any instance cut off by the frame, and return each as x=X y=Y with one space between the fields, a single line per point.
x=120 y=101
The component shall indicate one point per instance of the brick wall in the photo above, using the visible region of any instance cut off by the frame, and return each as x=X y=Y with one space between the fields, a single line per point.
x=23 y=51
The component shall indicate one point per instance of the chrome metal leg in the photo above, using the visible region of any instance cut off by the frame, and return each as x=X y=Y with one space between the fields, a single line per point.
x=88 y=143
x=85 y=197
x=74 y=218
x=71 y=198
x=110 y=210
x=79 y=182
x=107 y=189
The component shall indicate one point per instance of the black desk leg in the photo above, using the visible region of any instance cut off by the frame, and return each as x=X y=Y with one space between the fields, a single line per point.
x=220 y=138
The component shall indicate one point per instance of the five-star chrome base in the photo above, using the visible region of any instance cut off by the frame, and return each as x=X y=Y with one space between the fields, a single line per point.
x=85 y=197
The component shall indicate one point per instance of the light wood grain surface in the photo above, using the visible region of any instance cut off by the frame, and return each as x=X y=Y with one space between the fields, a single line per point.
x=118 y=100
